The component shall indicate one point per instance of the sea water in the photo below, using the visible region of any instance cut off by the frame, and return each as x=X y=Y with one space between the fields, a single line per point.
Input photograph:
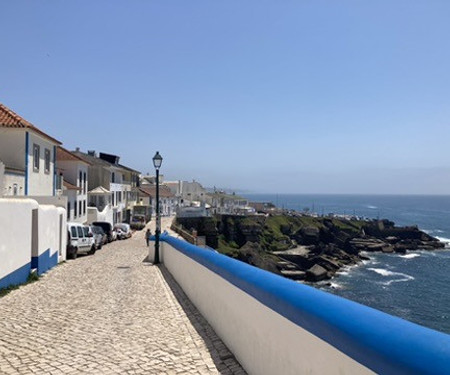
x=414 y=286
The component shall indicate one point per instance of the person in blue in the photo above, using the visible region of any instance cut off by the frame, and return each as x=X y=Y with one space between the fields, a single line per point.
x=148 y=234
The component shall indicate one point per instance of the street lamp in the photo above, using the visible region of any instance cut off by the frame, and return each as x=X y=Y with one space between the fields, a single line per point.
x=157 y=161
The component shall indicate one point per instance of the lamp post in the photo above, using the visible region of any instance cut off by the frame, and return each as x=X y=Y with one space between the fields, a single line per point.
x=157 y=161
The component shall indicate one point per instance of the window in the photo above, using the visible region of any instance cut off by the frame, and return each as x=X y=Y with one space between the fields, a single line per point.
x=15 y=189
x=80 y=180
x=47 y=160
x=79 y=207
x=113 y=177
x=75 y=209
x=73 y=232
x=86 y=231
x=68 y=210
x=84 y=207
x=36 y=156
x=112 y=195
x=84 y=184
x=80 y=232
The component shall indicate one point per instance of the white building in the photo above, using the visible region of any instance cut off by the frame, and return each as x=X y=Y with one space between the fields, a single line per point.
x=112 y=186
x=74 y=172
x=188 y=192
x=168 y=202
x=229 y=204
x=28 y=155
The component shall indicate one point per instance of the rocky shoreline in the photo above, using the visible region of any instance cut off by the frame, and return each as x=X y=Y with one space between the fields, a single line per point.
x=306 y=248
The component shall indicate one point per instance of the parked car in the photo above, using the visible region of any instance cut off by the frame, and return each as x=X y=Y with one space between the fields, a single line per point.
x=90 y=235
x=123 y=231
x=107 y=228
x=79 y=240
x=99 y=236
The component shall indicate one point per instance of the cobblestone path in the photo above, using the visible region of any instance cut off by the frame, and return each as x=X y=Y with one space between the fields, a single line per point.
x=109 y=313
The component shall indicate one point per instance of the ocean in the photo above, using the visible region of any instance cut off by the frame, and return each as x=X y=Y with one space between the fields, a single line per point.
x=413 y=286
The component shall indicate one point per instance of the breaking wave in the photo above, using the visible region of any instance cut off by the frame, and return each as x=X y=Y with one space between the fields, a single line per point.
x=384 y=272
x=410 y=256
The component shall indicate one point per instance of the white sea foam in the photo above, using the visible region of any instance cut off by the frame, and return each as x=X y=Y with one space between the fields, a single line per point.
x=410 y=256
x=445 y=240
x=335 y=285
x=384 y=272
x=405 y=278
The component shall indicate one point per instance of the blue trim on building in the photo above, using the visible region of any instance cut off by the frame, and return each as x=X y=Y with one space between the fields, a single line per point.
x=379 y=341
x=27 y=142
x=54 y=170
x=16 y=277
x=44 y=262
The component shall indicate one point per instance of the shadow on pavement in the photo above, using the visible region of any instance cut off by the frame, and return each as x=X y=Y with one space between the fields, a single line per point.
x=224 y=360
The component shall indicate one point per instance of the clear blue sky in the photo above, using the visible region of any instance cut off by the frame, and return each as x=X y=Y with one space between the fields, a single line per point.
x=268 y=96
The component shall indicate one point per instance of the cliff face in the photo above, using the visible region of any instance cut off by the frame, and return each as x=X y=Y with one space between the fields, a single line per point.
x=305 y=247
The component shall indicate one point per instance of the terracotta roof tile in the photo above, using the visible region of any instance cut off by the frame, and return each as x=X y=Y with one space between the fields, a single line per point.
x=10 y=119
x=63 y=154
x=164 y=191
x=70 y=186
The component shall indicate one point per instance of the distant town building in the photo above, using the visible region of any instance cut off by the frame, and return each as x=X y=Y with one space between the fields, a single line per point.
x=232 y=204
x=112 y=186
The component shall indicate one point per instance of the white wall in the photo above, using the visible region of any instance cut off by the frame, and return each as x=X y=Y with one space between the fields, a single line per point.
x=94 y=215
x=263 y=341
x=8 y=184
x=49 y=231
x=40 y=182
x=15 y=234
x=2 y=176
x=12 y=147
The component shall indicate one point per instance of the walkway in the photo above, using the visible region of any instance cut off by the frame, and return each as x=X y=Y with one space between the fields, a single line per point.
x=109 y=313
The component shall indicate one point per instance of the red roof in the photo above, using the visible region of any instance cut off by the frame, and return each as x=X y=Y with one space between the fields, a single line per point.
x=164 y=191
x=70 y=186
x=10 y=119
x=63 y=154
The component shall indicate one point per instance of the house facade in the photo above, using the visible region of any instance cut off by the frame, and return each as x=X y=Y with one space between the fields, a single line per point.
x=222 y=203
x=74 y=172
x=168 y=202
x=28 y=155
x=111 y=186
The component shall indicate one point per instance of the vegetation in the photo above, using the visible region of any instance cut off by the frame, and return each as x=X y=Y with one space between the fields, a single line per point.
x=31 y=279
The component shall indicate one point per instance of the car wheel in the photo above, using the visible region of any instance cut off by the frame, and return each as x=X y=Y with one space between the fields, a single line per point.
x=74 y=253
x=93 y=249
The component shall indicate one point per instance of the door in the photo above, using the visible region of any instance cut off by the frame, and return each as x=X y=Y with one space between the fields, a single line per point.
x=83 y=244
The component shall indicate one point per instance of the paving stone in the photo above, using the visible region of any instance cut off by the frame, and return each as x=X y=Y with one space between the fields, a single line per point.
x=108 y=313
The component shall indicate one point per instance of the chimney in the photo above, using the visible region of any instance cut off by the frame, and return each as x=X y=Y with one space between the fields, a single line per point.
x=91 y=153
x=77 y=149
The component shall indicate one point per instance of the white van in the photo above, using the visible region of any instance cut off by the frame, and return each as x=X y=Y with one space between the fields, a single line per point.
x=79 y=240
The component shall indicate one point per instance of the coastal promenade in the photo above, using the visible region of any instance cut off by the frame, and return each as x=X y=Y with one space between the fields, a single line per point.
x=109 y=313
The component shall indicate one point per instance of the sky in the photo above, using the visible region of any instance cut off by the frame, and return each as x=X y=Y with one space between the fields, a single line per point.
x=300 y=96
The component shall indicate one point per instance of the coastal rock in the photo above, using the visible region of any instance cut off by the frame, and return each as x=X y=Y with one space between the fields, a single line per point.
x=316 y=273
x=387 y=249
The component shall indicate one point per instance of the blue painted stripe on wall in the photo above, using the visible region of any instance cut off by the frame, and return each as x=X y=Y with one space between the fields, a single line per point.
x=16 y=277
x=44 y=262
x=27 y=142
x=381 y=342
x=54 y=170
